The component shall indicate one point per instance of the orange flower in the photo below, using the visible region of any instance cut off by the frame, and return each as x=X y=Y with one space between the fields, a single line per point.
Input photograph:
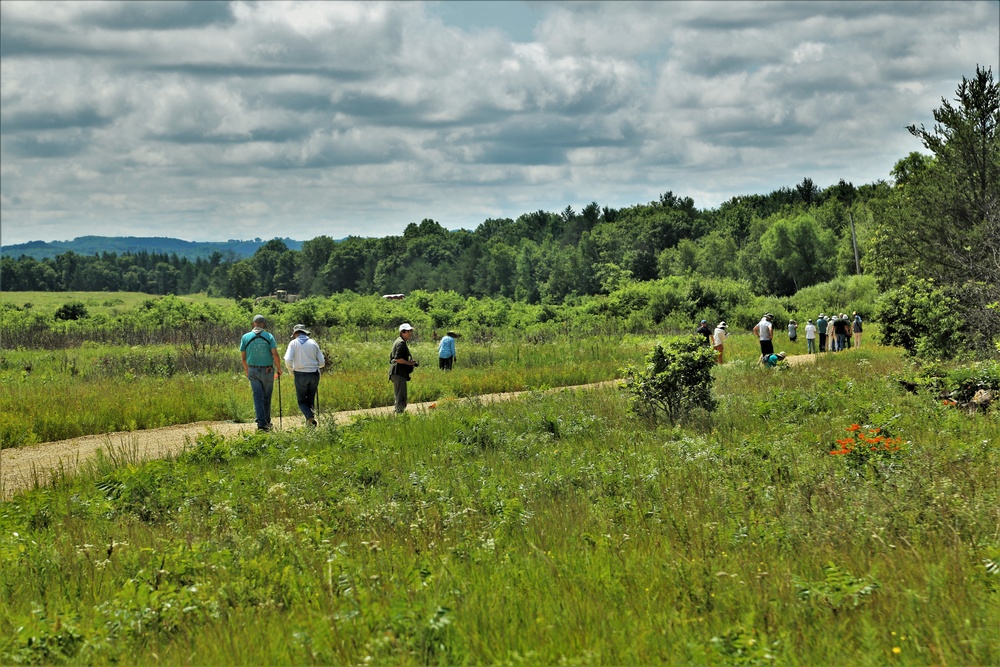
x=853 y=427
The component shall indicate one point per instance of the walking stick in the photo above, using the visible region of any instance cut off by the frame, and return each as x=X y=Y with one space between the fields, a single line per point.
x=280 y=427
x=315 y=416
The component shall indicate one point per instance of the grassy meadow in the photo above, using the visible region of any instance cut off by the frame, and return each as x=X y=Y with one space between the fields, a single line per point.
x=96 y=302
x=558 y=529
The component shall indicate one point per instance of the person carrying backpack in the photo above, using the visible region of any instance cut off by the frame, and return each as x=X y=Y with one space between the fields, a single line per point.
x=259 y=353
x=772 y=360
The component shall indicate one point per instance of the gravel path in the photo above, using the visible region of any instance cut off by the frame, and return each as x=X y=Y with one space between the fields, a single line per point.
x=24 y=467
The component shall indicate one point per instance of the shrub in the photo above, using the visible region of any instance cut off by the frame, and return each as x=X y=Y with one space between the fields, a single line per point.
x=677 y=378
x=922 y=319
x=73 y=310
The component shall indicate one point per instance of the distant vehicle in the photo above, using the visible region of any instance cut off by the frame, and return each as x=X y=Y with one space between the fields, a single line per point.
x=393 y=297
x=279 y=295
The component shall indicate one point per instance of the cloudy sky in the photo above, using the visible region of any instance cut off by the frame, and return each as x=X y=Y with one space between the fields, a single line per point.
x=219 y=120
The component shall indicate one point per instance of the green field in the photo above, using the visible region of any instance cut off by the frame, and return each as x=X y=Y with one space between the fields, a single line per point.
x=96 y=302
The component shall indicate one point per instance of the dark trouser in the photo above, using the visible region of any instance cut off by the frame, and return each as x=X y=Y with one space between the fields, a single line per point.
x=822 y=342
x=262 y=384
x=306 y=386
x=445 y=363
x=766 y=348
x=399 y=392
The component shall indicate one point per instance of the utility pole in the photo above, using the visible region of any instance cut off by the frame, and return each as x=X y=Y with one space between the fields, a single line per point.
x=854 y=240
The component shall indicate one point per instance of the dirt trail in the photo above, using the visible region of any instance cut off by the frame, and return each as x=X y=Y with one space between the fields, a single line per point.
x=21 y=467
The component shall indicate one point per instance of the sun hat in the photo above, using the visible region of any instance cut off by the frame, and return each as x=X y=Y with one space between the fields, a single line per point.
x=300 y=328
x=405 y=326
x=722 y=324
x=782 y=355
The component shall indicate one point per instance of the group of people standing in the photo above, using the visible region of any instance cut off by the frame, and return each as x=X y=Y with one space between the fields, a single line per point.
x=304 y=359
x=827 y=333
x=833 y=334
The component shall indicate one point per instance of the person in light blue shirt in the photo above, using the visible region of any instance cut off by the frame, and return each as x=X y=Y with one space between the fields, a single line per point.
x=262 y=366
x=446 y=351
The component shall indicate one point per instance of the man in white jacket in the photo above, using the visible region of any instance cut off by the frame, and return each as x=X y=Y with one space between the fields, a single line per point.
x=304 y=359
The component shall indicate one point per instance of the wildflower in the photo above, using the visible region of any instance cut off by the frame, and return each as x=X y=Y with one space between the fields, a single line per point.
x=853 y=427
x=896 y=650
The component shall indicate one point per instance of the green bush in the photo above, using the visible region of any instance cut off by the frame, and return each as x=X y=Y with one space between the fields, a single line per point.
x=922 y=319
x=676 y=379
x=74 y=310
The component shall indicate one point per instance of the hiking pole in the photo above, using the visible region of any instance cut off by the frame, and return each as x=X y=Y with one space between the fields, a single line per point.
x=316 y=415
x=280 y=427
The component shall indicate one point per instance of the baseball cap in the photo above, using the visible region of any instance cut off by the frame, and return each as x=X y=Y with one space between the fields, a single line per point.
x=259 y=318
x=405 y=326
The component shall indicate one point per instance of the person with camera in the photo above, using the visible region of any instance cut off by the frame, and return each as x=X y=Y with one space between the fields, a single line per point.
x=401 y=364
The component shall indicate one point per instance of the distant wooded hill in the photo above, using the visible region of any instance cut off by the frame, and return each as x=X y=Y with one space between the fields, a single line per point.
x=89 y=245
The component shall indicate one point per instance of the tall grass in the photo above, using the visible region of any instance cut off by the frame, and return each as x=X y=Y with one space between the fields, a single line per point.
x=53 y=395
x=557 y=529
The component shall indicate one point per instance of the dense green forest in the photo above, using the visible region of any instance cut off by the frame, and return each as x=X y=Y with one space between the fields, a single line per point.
x=929 y=235
x=780 y=242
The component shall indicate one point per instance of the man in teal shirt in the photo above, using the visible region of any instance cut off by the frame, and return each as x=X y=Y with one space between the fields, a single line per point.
x=262 y=366
x=821 y=324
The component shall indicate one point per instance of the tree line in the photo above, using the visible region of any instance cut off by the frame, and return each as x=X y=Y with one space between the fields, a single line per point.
x=780 y=242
